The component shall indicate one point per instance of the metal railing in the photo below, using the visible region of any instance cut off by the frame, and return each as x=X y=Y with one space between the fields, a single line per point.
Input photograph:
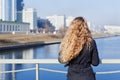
x=43 y=61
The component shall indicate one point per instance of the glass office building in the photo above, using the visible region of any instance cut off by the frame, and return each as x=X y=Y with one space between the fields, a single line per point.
x=8 y=10
x=20 y=6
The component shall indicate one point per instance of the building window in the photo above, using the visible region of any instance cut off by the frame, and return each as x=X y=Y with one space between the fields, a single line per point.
x=13 y=28
x=0 y=27
x=4 y=28
x=7 y=28
x=18 y=28
x=10 y=28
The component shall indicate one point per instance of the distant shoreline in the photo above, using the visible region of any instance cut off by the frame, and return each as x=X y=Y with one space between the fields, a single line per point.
x=105 y=36
x=54 y=40
x=25 y=45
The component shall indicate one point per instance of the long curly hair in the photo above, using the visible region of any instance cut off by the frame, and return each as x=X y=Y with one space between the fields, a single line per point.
x=76 y=37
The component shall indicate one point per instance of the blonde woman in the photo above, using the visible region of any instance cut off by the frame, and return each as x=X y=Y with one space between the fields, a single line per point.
x=78 y=51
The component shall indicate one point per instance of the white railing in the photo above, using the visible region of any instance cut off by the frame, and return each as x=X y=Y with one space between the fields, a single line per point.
x=45 y=61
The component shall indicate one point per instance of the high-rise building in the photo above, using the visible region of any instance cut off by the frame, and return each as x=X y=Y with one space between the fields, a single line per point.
x=57 y=21
x=30 y=16
x=69 y=20
x=20 y=6
x=8 y=10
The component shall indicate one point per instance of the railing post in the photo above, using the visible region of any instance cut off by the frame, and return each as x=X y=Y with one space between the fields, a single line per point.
x=13 y=73
x=13 y=67
x=37 y=71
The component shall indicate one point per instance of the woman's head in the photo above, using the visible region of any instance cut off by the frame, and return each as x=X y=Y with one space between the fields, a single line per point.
x=79 y=25
x=76 y=37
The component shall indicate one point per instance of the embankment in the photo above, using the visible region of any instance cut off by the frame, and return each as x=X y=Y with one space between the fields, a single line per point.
x=10 y=41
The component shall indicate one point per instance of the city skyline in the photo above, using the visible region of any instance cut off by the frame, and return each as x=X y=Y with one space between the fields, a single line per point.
x=100 y=12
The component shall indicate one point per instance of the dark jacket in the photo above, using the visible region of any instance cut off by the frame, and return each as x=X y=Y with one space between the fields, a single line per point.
x=80 y=67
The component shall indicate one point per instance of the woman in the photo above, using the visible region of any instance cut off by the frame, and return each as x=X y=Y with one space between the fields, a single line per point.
x=78 y=51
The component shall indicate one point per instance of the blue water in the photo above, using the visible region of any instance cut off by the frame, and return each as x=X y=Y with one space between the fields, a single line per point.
x=108 y=49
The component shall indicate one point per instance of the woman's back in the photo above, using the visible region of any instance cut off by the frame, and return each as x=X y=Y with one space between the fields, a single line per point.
x=87 y=56
x=80 y=67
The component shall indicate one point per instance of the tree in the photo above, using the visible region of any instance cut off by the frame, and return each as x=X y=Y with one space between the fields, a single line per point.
x=45 y=25
x=1 y=20
x=47 y=28
x=62 y=31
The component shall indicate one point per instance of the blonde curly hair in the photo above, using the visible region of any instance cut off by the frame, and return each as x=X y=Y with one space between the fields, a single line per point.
x=76 y=37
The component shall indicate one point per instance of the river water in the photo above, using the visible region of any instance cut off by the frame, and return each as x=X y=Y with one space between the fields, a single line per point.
x=108 y=48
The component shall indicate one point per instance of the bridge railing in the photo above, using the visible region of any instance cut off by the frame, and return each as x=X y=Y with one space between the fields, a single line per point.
x=42 y=61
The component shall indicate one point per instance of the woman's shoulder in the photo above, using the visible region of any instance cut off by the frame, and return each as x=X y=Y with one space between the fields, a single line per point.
x=93 y=42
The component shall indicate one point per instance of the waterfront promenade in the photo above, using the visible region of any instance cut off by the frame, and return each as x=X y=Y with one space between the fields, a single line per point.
x=25 y=40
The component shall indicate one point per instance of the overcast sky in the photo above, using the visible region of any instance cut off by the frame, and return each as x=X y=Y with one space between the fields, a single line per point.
x=98 y=12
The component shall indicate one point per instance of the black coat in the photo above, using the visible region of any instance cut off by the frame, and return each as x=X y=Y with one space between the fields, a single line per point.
x=80 y=67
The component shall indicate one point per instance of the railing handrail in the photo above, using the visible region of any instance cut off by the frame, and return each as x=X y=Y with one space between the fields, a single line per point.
x=46 y=61
x=28 y=61
x=49 y=61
